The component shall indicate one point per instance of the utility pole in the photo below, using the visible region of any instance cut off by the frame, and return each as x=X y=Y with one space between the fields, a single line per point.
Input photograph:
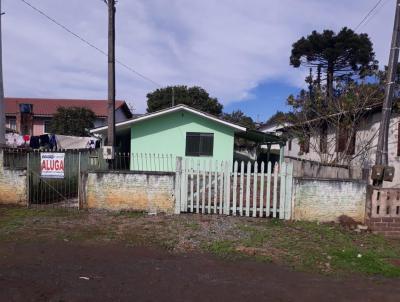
x=111 y=73
x=2 y=113
x=382 y=147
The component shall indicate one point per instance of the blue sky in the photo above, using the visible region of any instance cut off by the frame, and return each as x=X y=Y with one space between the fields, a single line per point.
x=237 y=50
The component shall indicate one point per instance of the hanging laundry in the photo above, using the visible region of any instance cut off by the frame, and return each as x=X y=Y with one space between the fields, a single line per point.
x=44 y=140
x=74 y=142
x=14 y=140
x=34 y=142
x=53 y=142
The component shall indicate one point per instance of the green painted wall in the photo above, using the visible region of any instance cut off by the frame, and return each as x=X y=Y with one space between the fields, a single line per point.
x=166 y=134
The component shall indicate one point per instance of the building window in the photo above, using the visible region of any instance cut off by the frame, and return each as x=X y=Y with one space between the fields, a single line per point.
x=343 y=139
x=11 y=123
x=290 y=145
x=323 y=139
x=46 y=124
x=305 y=144
x=199 y=144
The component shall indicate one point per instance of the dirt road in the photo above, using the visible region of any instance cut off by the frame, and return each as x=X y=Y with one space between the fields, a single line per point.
x=63 y=271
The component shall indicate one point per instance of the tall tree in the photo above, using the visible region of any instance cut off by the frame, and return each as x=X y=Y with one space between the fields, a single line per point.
x=75 y=121
x=336 y=55
x=238 y=117
x=195 y=97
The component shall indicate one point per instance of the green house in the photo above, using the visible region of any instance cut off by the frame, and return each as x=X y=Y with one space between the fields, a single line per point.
x=177 y=131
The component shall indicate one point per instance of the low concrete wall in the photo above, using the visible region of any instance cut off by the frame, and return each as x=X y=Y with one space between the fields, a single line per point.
x=313 y=169
x=139 y=191
x=327 y=199
x=12 y=185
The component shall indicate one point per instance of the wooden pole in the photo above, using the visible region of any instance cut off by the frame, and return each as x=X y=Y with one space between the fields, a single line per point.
x=382 y=147
x=111 y=72
x=2 y=113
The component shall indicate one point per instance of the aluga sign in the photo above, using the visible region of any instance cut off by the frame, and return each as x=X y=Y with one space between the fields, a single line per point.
x=52 y=165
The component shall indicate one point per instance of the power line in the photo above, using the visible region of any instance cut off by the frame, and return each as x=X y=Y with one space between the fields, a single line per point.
x=368 y=15
x=89 y=43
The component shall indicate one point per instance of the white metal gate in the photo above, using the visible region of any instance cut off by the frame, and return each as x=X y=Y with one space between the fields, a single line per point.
x=252 y=189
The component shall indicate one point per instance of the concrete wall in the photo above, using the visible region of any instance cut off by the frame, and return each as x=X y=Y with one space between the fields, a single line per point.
x=327 y=199
x=314 y=169
x=12 y=185
x=137 y=191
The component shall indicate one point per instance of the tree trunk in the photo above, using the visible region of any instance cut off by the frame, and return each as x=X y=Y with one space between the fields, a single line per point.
x=329 y=82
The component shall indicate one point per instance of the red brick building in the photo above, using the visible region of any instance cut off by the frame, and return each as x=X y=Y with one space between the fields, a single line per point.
x=32 y=116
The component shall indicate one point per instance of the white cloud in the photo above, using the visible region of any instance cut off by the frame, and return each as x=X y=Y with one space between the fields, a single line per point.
x=226 y=46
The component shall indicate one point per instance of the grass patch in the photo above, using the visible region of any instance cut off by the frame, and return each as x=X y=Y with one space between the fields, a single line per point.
x=370 y=263
x=223 y=249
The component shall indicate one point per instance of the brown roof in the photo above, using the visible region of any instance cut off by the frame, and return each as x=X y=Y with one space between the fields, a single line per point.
x=48 y=107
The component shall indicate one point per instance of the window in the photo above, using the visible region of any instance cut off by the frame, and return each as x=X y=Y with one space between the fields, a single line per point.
x=46 y=124
x=305 y=144
x=11 y=123
x=290 y=145
x=199 y=144
x=343 y=139
x=323 y=139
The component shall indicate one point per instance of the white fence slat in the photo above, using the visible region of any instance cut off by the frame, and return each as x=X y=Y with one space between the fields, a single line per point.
x=275 y=191
x=198 y=188
x=261 y=213
x=241 y=192
x=248 y=189
x=255 y=180
x=234 y=188
x=268 y=197
x=289 y=183
x=216 y=188
x=282 y=197
x=204 y=186
x=221 y=191
x=184 y=187
x=227 y=203
x=209 y=187
x=191 y=187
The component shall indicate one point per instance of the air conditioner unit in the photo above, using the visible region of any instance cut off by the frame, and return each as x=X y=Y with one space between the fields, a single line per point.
x=108 y=152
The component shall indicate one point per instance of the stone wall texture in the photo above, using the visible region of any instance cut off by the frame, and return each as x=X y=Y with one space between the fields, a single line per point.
x=12 y=185
x=326 y=200
x=150 y=192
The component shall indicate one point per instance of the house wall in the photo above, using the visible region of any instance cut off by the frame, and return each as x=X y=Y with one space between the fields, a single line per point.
x=326 y=200
x=166 y=134
x=12 y=185
x=137 y=191
x=369 y=132
x=38 y=127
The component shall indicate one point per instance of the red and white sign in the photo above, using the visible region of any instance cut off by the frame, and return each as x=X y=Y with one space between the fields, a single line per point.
x=52 y=165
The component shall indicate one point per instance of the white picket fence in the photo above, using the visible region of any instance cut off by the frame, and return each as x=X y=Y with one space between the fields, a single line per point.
x=247 y=189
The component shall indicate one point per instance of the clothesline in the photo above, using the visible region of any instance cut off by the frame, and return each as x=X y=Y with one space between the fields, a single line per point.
x=51 y=142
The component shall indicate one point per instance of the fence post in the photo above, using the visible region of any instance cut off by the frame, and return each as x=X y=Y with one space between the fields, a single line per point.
x=28 y=180
x=178 y=179
x=282 y=196
x=289 y=184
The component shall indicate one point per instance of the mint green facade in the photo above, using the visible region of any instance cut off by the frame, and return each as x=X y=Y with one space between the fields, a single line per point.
x=166 y=134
